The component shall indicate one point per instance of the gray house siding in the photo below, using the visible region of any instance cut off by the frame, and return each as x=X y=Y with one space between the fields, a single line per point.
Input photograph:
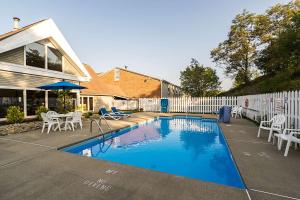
x=15 y=56
x=13 y=79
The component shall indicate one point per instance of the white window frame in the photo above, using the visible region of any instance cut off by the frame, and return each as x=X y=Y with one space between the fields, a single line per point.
x=117 y=75
x=88 y=103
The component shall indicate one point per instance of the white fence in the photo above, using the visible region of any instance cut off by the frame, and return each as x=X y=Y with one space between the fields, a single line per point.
x=189 y=104
x=149 y=104
x=265 y=106
x=256 y=107
x=126 y=104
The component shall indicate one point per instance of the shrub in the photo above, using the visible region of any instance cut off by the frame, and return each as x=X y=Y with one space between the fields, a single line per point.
x=41 y=109
x=64 y=102
x=14 y=114
x=88 y=114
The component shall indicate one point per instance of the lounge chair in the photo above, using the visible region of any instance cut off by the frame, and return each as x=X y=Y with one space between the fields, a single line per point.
x=115 y=111
x=103 y=112
x=275 y=124
x=290 y=135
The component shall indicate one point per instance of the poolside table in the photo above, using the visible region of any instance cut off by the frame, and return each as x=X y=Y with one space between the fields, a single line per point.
x=63 y=118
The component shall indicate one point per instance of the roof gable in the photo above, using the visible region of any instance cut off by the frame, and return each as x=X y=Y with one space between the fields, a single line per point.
x=137 y=73
x=45 y=29
x=97 y=87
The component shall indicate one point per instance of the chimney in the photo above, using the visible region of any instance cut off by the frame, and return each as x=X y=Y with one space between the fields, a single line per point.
x=16 y=23
x=125 y=67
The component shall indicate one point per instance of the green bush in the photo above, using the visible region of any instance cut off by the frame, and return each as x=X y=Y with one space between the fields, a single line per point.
x=14 y=115
x=88 y=114
x=64 y=102
x=41 y=109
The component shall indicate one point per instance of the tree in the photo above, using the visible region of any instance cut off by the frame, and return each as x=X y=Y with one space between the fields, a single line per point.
x=237 y=53
x=249 y=39
x=274 y=21
x=284 y=52
x=197 y=80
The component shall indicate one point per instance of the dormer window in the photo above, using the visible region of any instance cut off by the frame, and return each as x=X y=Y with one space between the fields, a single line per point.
x=35 y=55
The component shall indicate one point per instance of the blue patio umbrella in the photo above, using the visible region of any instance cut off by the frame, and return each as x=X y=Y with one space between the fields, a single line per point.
x=63 y=85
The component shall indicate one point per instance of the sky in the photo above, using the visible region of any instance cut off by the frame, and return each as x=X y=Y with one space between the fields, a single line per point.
x=154 y=37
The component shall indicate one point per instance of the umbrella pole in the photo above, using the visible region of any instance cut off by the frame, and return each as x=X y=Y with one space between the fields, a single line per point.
x=64 y=101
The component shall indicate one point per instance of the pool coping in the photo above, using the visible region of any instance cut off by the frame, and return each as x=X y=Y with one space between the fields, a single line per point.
x=234 y=160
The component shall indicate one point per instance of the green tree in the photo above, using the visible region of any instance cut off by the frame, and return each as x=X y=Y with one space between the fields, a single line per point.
x=237 y=53
x=284 y=52
x=197 y=80
x=249 y=39
x=274 y=21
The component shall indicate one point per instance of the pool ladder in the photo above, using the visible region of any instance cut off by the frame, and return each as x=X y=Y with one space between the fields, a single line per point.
x=98 y=122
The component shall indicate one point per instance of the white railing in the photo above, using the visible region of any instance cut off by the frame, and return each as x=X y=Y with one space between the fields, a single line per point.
x=265 y=106
x=189 y=104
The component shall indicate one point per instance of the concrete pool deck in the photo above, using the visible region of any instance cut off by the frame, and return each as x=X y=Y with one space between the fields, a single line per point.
x=32 y=168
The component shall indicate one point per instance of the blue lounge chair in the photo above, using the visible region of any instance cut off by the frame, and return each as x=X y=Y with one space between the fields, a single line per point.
x=103 y=112
x=115 y=111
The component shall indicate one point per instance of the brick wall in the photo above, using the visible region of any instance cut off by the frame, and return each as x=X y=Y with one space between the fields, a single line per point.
x=134 y=85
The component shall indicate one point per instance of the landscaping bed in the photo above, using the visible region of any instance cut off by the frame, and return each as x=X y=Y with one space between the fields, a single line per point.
x=19 y=127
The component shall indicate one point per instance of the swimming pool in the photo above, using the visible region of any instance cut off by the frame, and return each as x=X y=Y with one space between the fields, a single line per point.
x=185 y=146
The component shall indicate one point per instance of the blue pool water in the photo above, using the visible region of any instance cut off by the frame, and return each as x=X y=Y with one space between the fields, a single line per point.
x=190 y=147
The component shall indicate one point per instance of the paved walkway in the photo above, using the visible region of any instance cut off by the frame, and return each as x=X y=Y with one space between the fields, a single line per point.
x=32 y=168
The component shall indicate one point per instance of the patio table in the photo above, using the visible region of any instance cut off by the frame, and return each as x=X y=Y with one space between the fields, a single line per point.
x=63 y=118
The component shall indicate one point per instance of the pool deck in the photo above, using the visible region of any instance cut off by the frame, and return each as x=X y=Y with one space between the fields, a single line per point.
x=32 y=168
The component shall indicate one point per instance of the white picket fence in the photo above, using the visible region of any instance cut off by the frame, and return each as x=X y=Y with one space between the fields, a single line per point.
x=149 y=104
x=256 y=107
x=265 y=106
x=126 y=104
x=189 y=104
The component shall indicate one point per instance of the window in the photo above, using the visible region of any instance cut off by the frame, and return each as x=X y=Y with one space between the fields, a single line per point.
x=34 y=100
x=117 y=75
x=53 y=103
x=52 y=100
x=85 y=104
x=10 y=98
x=91 y=102
x=35 y=55
x=54 y=59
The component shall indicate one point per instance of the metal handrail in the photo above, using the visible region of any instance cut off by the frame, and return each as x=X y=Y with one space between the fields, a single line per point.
x=98 y=124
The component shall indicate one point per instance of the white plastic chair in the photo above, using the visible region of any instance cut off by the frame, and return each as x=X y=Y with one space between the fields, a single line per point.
x=237 y=111
x=50 y=122
x=74 y=120
x=51 y=113
x=275 y=124
x=234 y=110
x=290 y=135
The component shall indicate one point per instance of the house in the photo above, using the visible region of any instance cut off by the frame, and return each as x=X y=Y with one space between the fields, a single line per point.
x=32 y=56
x=137 y=85
x=98 y=93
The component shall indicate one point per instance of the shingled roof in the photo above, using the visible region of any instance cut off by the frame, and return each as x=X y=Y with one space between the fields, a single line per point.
x=97 y=87
x=11 y=33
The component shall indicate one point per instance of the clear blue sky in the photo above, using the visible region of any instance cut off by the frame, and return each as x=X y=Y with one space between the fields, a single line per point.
x=155 y=37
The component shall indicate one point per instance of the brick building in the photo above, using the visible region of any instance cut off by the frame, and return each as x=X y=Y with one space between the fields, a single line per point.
x=137 y=85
